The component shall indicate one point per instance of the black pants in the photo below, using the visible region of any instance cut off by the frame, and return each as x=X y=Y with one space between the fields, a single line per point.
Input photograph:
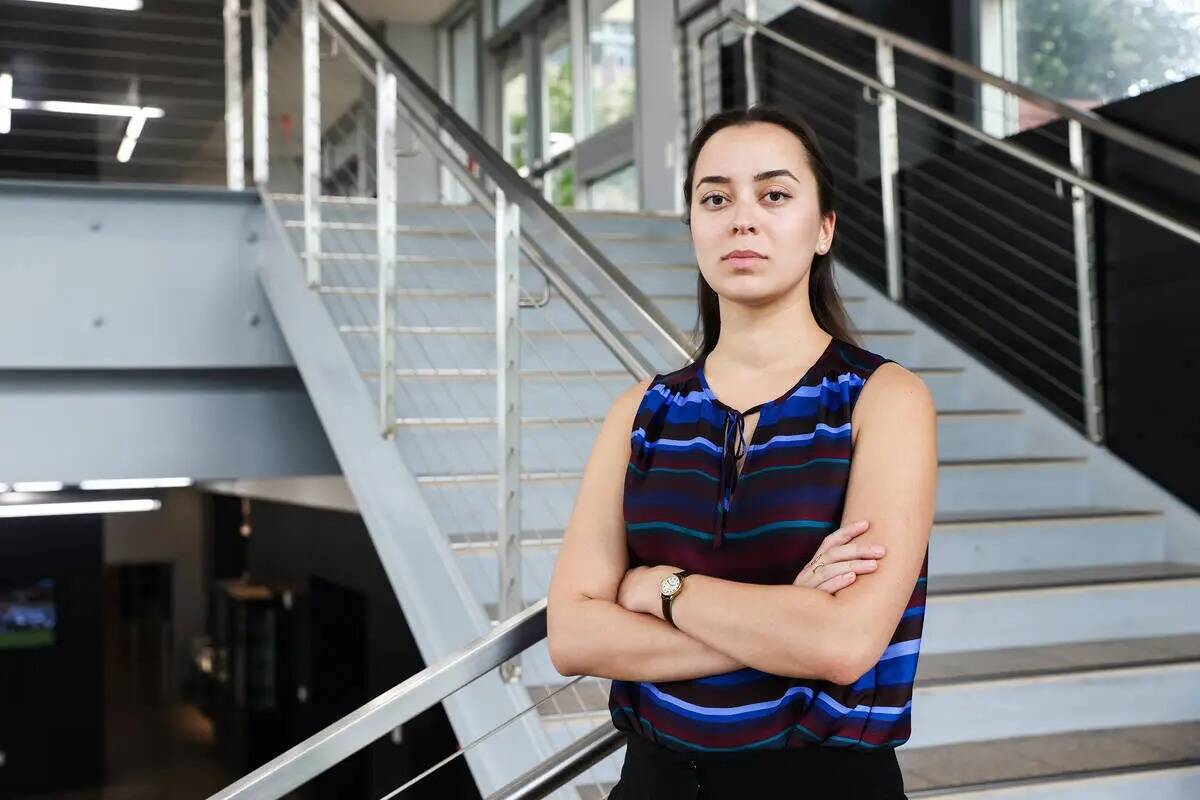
x=652 y=771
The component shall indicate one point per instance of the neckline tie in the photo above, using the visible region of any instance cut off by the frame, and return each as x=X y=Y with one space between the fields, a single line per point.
x=732 y=449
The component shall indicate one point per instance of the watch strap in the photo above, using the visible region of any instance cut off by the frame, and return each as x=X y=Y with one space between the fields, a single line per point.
x=666 y=600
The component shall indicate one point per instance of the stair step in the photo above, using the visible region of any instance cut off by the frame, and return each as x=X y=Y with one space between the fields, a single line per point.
x=590 y=695
x=1031 y=585
x=1144 y=761
x=970 y=519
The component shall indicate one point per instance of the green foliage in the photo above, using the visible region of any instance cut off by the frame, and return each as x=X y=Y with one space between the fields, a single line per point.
x=1106 y=49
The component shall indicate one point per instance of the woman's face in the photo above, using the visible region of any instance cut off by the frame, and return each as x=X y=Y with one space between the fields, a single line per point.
x=752 y=190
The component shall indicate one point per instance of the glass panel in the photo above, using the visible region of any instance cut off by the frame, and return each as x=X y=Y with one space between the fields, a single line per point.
x=1090 y=52
x=610 y=42
x=616 y=191
x=515 y=115
x=560 y=186
x=463 y=83
x=557 y=101
x=507 y=9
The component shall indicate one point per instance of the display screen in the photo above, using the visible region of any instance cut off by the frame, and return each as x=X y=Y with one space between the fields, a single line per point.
x=28 y=614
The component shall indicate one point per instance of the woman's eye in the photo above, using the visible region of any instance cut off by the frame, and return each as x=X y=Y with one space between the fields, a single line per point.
x=781 y=195
x=713 y=197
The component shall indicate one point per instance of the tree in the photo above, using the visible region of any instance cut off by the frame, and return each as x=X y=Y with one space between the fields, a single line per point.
x=1106 y=49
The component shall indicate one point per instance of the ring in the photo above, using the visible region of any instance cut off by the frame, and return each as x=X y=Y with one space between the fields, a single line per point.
x=817 y=566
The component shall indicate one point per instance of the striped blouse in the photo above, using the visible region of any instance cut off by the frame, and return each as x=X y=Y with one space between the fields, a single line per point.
x=686 y=505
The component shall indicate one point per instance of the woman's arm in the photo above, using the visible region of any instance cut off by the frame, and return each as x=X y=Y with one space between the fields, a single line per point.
x=792 y=630
x=588 y=632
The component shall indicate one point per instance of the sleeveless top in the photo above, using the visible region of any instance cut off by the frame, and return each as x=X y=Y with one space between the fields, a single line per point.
x=686 y=505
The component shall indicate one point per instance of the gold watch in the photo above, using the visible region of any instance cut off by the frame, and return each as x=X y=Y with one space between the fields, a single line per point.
x=669 y=588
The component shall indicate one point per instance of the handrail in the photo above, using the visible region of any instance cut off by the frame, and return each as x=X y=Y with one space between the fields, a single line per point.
x=537 y=213
x=1166 y=221
x=1088 y=119
x=554 y=772
x=401 y=703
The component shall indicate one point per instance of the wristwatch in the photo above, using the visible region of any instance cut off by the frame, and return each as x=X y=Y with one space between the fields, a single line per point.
x=670 y=588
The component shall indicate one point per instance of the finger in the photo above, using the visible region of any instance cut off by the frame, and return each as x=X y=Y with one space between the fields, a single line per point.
x=843 y=535
x=838 y=582
x=836 y=568
x=854 y=550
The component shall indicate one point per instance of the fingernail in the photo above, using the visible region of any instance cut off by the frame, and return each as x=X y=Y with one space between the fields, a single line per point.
x=861 y=523
x=872 y=563
x=878 y=550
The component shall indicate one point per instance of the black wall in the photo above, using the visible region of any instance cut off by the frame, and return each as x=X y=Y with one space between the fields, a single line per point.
x=51 y=698
x=1150 y=288
x=331 y=554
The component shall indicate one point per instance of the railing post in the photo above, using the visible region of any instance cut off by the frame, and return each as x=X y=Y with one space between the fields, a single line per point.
x=385 y=205
x=889 y=168
x=748 y=54
x=260 y=111
x=508 y=407
x=310 y=32
x=235 y=131
x=1085 y=282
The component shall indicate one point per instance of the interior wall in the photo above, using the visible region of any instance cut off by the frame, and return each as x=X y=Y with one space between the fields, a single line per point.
x=51 y=698
x=173 y=535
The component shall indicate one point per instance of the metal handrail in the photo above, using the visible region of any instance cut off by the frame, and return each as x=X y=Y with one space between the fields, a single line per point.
x=1088 y=119
x=631 y=303
x=393 y=708
x=1165 y=221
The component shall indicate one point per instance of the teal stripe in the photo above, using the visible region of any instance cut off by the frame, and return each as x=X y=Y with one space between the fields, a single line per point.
x=765 y=470
x=701 y=473
x=750 y=534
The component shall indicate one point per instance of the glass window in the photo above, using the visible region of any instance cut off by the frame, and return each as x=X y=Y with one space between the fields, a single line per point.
x=616 y=191
x=515 y=114
x=610 y=45
x=507 y=9
x=1089 y=52
x=557 y=135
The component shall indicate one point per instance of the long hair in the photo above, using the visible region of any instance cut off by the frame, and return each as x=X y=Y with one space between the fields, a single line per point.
x=823 y=296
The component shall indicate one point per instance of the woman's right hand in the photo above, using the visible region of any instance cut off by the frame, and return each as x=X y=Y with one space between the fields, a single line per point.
x=839 y=560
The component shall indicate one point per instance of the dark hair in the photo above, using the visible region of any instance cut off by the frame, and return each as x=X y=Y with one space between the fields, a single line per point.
x=823 y=296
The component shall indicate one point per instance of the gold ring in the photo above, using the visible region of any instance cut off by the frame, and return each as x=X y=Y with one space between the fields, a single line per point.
x=817 y=566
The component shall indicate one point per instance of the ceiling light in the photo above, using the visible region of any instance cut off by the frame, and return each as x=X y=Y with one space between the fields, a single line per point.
x=12 y=510
x=3 y=488
x=98 y=109
x=37 y=486
x=134 y=483
x=111 y=5
x=5 y=102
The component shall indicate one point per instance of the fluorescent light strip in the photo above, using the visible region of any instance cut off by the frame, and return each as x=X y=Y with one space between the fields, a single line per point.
x=13 y=510
x=96 y=109
x=3 y=488
x=110 y=5
x=38 y=486
x=5 y=102
x=134 y=483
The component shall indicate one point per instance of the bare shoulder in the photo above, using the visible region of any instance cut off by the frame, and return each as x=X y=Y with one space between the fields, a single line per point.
x=893 y=395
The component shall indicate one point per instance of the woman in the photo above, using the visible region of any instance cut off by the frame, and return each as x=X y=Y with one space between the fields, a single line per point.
x=761 y=624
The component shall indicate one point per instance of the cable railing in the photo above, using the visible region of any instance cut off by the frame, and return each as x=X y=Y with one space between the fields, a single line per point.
x=990 y=238
x=459 y=317
x=450 y=389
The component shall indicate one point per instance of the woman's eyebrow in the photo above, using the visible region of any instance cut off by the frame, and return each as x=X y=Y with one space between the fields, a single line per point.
x=762 y=176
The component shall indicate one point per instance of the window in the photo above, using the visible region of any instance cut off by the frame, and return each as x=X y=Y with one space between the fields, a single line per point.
x=616 y=191
x=557 y=133
x=611 y=53
x=1085 y=53
x=507 y=9
x=515 y=116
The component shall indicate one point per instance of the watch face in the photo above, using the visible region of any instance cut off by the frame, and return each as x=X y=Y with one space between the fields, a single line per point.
x=670 y=585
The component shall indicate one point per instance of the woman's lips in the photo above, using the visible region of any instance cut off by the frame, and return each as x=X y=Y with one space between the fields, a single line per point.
x=745 y=261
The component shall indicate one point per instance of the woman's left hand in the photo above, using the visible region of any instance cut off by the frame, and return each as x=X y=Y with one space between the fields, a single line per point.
x=640 y=589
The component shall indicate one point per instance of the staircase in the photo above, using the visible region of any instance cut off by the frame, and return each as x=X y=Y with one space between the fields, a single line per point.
x=1061 y=655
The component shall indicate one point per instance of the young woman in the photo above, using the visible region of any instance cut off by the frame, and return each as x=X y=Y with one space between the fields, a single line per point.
x=747 y=554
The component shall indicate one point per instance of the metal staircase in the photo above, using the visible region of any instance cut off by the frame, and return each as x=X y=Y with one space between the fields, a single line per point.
x=1060 y=656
